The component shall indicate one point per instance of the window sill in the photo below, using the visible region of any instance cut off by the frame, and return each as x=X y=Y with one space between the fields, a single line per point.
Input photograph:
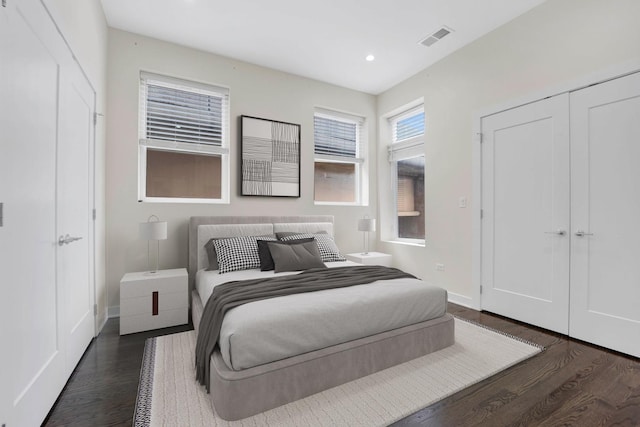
x=338 y=204
x=179 y=200
x=409 y=213
x=414 y=242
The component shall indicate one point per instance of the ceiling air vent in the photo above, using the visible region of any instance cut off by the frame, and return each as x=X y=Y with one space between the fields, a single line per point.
x=435 y=36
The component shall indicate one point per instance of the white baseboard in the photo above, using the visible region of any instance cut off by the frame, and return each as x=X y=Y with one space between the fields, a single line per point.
x=461 y=300
x=113 y=311
x=101 y=324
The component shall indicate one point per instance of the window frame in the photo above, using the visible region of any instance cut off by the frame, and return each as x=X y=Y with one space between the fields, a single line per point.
x=145 y=143
x=359 y=160
x=404 y=149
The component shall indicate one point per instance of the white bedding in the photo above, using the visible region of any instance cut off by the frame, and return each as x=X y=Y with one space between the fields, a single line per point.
x=273 y=329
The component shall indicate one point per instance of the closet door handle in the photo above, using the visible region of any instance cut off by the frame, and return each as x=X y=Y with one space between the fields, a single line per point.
x=581 y=233
x=558 y=232
x=66 y=239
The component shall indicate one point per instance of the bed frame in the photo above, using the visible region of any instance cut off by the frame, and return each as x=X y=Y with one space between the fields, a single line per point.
x=240 y=394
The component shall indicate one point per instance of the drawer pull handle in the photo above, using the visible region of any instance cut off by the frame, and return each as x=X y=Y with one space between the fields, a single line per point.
x=154 y=307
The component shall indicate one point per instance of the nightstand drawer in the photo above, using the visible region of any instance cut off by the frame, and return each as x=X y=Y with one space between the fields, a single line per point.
x=153 y=300
x=138 y=284
x=146 y=322
x=145 y=304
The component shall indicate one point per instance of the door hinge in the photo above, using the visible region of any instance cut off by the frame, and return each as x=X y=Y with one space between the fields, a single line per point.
x=481 y=213
x=95 y=117
x=480 y=289
x=479 y=134
x=95 y=309
x=93 y=214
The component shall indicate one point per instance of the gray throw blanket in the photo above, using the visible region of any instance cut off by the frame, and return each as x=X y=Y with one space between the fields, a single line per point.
x=232 y=294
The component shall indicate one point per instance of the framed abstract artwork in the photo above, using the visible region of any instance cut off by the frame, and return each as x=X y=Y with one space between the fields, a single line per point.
x=270 y=156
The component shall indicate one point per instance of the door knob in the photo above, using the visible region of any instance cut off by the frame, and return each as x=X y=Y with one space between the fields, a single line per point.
x=581 y=233
x=558 y=232
x=66 y=239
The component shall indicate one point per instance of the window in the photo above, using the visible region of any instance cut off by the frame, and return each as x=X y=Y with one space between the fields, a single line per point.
x=183 y=141
x=339 y=158
x=406 y=156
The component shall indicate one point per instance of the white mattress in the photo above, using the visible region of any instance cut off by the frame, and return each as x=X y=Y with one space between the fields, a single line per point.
x=273 y=329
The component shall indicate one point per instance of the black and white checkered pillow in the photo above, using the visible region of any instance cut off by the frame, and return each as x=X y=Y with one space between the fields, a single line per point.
x=328 y=249
x=238 y=253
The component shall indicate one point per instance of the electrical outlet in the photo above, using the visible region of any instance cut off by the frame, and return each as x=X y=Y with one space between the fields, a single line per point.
x=462 y=202
x=439 y=267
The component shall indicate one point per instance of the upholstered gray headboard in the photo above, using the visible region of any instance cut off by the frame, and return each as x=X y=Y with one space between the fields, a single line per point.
x=275 y=223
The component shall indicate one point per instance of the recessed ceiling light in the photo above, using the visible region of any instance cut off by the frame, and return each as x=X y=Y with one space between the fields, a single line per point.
x=370 y=58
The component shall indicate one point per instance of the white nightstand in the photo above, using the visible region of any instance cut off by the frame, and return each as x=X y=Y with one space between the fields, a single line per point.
x=372 y=258
x=153 y=300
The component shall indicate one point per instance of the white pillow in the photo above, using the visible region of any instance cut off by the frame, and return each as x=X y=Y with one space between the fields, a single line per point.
x=328 y=249
x=238 y=253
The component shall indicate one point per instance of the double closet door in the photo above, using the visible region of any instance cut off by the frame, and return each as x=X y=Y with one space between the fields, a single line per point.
x=561 y=213
x=46 y=227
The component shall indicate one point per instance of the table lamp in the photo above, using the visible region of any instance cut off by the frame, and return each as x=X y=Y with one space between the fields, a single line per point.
x=153 y=229
x=366 y=225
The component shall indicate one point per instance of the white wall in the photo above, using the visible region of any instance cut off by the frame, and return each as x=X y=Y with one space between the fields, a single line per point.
x=558 y=42
x=255 y=91
x=84 y=27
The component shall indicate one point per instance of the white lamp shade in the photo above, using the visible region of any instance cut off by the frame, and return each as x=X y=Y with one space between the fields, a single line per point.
x=367 y=224
x=156 y=230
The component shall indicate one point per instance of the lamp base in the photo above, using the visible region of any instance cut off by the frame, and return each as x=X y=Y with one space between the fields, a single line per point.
x=157 y=263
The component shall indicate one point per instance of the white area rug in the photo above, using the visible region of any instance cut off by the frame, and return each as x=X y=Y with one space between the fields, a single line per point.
x=169 y=396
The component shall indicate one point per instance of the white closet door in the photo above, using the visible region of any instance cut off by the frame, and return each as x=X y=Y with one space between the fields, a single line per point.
x=525 y=202
x=74 y=210
x=32 y=355
x=605 y=176
x=46 y=181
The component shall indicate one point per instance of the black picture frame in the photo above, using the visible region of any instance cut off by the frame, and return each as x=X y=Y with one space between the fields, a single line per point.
x=269 y=158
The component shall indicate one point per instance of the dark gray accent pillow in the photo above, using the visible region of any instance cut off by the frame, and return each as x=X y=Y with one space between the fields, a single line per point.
x=211 y=255
x=266 y=260
x=295 y=257
x=328 y=249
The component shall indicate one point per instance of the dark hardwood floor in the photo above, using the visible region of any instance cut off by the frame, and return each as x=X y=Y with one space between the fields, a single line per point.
x=102 y=390
x=570 y=384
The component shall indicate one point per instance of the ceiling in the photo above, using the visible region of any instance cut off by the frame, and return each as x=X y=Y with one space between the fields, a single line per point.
x=325 y=40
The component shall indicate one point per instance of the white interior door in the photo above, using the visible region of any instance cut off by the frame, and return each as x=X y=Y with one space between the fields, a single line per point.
x=32 y=355
x=75 y=209
x=525 y=203
x=46 y=184
x=605 y=175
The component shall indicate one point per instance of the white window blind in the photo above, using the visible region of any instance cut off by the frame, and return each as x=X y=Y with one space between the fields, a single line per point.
x=337 y=137
x=184 y=138
x=182 y=112
x=407 y=131
x=340 y=150
x=408 y=125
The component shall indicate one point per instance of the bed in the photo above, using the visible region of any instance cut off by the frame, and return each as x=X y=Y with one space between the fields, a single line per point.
x=278 y=350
